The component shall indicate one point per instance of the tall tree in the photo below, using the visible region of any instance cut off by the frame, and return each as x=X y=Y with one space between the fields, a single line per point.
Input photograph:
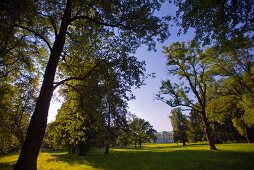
x=179 y=124
x=51 y=24
x=188 y=63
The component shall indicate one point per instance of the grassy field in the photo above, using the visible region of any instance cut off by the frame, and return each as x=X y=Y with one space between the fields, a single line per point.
x=151 y=156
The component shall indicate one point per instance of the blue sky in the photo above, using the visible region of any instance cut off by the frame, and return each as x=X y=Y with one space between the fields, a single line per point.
x=145 y=106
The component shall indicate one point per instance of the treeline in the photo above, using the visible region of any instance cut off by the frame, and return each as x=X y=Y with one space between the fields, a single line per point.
x=80 y=140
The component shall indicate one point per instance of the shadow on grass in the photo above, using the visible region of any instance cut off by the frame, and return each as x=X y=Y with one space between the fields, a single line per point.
x=180 y=159
x=7 y=166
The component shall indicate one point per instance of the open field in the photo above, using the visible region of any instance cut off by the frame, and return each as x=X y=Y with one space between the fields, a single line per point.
x=151 y=156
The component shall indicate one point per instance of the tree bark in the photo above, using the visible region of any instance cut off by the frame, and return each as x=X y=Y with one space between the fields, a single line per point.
x=247 y=135
x=208 y=132
x=36 y=129
x=108 y=127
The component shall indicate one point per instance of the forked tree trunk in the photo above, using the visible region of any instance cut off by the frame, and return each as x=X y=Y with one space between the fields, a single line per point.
x=208 y=132
x=36 y=129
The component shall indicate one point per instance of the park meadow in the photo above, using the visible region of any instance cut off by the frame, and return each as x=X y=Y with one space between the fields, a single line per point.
x=150 y=156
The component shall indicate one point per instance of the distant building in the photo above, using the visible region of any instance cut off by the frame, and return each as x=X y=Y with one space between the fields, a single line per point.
x=164 y=137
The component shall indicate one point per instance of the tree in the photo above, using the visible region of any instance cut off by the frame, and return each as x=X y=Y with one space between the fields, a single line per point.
x=195 y=127
x=179 y=124
x=225 y=23
x=221 y=109
x=141 y=130
x=234 y=70
x=104 y=93
x=189 y=64
x=123 y=138
x=228 y=27
x=16 y=103
x=52 y=26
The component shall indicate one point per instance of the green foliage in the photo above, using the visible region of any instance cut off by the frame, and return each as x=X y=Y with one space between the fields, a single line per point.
x=16 y=104
x=195 y=129
x=232 y=94
x=221 y=22
x=141 y=130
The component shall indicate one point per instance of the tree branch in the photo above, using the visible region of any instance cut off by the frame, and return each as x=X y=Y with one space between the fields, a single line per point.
x=177 y=104
x=15 y=45
x=53 y=24
x=51 y=21
x=119 y=24
x=32 y=31
x=78 y=78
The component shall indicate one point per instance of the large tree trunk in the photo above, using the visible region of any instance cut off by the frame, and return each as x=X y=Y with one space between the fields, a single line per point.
x=208 y=132
x=36 y=129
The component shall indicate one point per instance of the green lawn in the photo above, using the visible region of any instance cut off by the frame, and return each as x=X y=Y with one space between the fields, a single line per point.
x=151 y=156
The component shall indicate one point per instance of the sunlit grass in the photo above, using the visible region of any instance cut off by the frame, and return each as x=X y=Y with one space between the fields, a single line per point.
x=150 y=156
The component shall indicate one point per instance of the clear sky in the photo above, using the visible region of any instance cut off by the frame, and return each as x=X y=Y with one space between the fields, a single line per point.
x=145 y=106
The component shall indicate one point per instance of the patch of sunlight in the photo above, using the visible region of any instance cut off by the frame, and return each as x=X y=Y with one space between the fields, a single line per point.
x=10 y=159
x=48 y=161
